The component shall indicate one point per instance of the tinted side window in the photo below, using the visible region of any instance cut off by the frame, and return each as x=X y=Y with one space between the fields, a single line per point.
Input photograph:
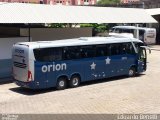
x=71 y=53
x=87 y=51
x=102 y=50
x=108 y=50
x=137 y=45
x=128 y=31
x=115 y=49
x=122 y=48
x=48 y=54
x=141 y=35
x=129 y=48
x=118 y=30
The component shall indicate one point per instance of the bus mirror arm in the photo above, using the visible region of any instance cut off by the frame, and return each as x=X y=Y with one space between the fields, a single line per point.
x=149 y=51
x=147 y=48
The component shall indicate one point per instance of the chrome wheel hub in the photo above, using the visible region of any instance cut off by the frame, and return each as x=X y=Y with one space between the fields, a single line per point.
x=75 y=81
x=61 y=83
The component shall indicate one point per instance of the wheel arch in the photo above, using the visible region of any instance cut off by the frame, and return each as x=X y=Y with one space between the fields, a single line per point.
x=62 y=76
x=135 y=66
x=76 y=74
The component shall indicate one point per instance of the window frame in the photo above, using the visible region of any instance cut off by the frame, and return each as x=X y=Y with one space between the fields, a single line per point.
x=42 y=53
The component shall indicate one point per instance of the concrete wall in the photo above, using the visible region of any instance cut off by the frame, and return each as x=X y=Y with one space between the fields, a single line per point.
x=6 y=54
x=9 y=31
x=37 y=34
x=43 y=34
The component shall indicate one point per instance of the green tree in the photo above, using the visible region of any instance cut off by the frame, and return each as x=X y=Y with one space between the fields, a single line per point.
x=96 y=27
x=58 y=25
x=62 y=25
x=103 y=2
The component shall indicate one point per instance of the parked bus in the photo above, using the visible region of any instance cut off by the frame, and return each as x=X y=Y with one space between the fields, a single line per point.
x=45 y=64
x=147 y=35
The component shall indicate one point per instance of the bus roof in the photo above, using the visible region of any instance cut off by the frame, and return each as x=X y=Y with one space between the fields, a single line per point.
x=78 y=42
x=133 y=27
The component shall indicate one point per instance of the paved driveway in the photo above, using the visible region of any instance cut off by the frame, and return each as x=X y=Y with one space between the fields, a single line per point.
x=117 y=95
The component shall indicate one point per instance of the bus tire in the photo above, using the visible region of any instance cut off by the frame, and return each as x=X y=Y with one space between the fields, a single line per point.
x=61 y=83
x=74 y=81
x=132 y=72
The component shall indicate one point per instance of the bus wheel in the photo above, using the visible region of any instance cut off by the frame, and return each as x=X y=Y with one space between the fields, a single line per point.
x=74 y=81
x=132 y=72
x=61 y=83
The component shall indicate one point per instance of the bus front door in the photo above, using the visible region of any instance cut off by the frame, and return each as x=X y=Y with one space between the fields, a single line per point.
x=142 y=59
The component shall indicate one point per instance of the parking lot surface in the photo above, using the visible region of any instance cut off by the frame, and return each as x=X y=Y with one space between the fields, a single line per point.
x=140 y=94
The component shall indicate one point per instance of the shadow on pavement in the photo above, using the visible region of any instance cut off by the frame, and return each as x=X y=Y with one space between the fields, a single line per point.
x=30 y=92
x=106 y=80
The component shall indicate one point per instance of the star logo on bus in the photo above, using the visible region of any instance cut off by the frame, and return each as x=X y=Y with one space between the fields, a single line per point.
x=93 y=66
x=108 y=60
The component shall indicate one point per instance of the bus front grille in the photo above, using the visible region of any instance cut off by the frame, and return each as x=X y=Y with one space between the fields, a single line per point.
x=20 y=65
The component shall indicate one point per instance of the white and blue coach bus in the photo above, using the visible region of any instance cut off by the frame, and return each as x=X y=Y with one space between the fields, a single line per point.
x=45 y=64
